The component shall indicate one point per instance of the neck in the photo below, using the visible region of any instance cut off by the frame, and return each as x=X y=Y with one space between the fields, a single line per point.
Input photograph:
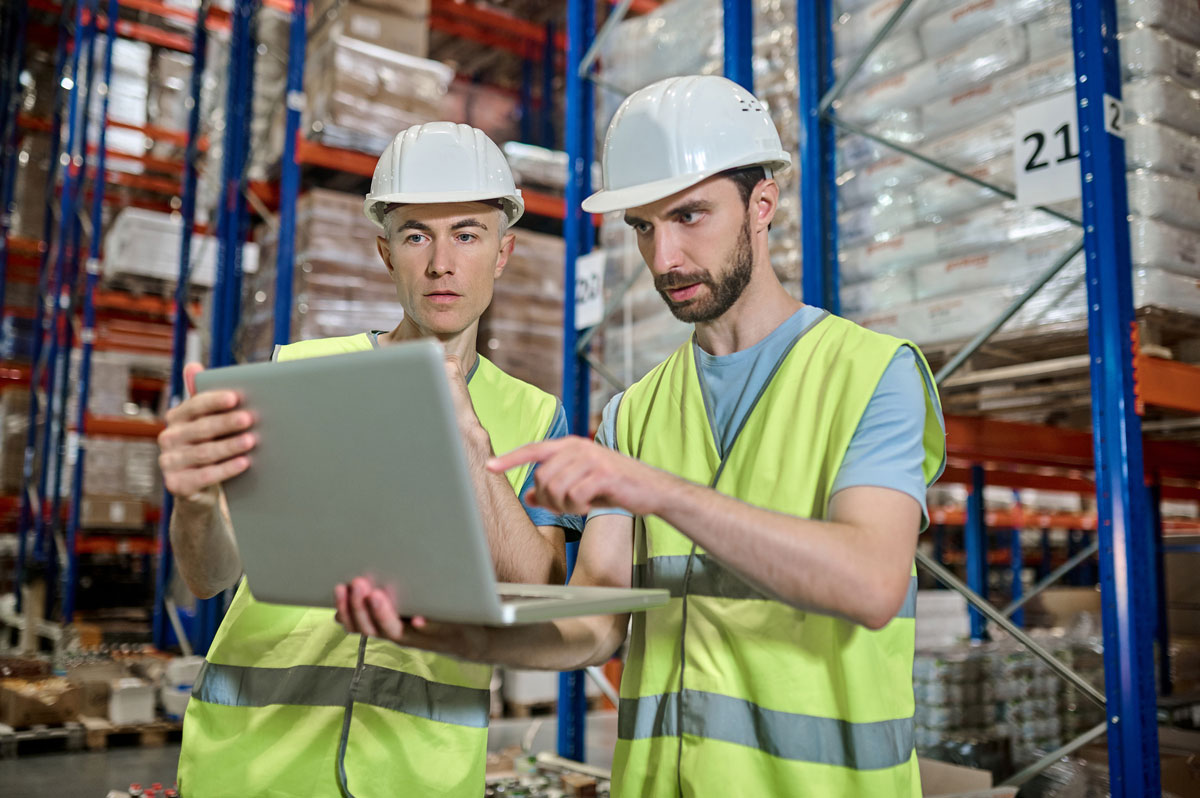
x=763 y=306
x=460 y=344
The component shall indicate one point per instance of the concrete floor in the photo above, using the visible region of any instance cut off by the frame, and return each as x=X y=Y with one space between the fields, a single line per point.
x=92 y=774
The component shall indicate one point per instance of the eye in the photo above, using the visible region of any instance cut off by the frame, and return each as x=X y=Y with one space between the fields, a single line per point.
x=465 y=238
x=690 y=217
x=641 y=228
x=414 y=238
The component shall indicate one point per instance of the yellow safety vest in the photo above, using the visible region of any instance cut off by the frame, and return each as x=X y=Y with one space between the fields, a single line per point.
x=266 y=714
x=727 y=692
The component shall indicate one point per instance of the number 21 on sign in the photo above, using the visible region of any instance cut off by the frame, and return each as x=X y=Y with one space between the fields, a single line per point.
x=1046 y=147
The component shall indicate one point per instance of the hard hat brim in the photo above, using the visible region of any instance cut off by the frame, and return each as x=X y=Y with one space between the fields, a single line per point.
x=375 y=204
x=606 y=201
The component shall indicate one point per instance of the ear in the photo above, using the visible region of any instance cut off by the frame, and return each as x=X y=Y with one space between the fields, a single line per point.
x=385 y=252
x=764 y=202
x=506 y=249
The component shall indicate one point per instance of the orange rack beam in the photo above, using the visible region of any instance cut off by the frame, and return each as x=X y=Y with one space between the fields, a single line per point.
x=1166 y=383
x=119 y=426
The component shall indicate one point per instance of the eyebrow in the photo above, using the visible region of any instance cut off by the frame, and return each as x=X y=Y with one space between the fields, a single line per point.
x=689 y=207
x=692 y=206
x=413 y=224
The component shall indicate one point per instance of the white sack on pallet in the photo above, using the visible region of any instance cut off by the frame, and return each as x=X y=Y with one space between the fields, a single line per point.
x=1181 y=17
x=967 y=19
x=1146 y=52
x=1163 y=100
x=1163 y=149
x=990 y=54
x=1172 y=200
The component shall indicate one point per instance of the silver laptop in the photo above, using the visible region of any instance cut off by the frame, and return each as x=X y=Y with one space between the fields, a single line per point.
x=360 y=471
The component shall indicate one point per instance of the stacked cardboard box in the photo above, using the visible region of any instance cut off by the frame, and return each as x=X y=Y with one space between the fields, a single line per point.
x=522 y=330
x=14 y=428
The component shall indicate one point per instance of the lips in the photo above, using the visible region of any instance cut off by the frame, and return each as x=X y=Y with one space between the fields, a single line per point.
x=442 y=297
x=683 y=293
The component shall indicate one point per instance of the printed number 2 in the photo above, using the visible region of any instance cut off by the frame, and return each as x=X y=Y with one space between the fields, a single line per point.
x=1039 y=140
x=1114 y=122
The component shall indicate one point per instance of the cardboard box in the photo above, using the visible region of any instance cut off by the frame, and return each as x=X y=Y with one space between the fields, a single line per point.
x=94 y=680
x=1060 y=606
x=112 y=512
x=45 y=701
x=943 y=780
x=1182 y=576
x=401 y=33
x=131 y=701
x=1179 y=760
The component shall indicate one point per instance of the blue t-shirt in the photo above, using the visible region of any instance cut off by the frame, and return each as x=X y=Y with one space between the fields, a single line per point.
x=887 y=449
x=572 y=525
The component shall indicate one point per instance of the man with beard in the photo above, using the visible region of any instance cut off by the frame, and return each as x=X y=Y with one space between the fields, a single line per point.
x=771 y=473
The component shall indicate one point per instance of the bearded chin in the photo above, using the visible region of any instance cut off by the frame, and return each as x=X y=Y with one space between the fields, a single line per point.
x=723 y=293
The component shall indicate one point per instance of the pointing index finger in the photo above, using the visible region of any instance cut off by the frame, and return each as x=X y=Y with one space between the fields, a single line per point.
x=529 y=453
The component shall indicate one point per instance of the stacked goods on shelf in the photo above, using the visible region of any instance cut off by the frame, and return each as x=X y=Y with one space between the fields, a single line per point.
x=1181 y=570
x=170 y=90
x=341 y=286
x=522 y=331
x=366 y=77
x=929 y=256
x=128 y=95
x=144 y=245
x=997 y=700
x=493 y=110
x=14 y=427
x=33 y=159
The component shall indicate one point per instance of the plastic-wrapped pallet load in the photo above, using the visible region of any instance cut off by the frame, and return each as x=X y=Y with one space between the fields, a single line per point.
x=932 y=256
x=521 y=332
x=359 y=94
x=128 y=94
x=170 y=93
x=341 y=286
x=145 y=245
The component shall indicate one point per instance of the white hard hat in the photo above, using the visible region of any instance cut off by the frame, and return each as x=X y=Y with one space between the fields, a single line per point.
x=677 y=132
x=442 y=162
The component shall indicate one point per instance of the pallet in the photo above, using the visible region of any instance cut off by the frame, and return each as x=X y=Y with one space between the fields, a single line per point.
x=100 y=733
x=541 y=708
x=1042 y=376
x=41 y=738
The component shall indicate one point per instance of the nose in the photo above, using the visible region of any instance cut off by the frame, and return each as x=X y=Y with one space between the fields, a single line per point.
x=667 y=254
x=441 y=260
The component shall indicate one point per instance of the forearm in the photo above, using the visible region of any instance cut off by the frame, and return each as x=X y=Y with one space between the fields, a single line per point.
x=204 y=547
x=824 y=566
x=563 y=645
x=521 y=553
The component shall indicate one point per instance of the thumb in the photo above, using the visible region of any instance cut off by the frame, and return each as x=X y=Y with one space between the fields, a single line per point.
x=189 y=377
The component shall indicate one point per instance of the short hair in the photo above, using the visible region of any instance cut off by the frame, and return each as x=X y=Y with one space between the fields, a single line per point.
x=746 y=178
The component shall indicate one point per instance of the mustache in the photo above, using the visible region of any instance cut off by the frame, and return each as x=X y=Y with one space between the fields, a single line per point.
x=665 y=282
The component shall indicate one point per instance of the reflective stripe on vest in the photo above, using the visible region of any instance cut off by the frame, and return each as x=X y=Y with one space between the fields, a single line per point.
x=328 y=686
x=744 y=694
x=861 y=746
x=710 y=578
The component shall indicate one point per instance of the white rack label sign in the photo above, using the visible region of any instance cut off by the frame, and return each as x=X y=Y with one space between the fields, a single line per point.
x=1047 y=151
x=589 y=289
